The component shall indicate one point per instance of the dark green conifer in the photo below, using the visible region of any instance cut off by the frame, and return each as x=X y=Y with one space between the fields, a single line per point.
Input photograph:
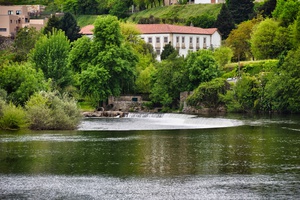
x=224 y=22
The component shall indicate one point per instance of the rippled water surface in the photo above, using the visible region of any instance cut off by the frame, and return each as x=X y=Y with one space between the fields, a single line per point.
x=155 y=157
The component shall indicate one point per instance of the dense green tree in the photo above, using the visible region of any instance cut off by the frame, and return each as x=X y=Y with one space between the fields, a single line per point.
x=94 y=84
x=244 y=96
x=241 y=10
x=239 y=39
x=202 y=67
x=282 y=88
x=24 y=42
x=168 y=51
x=20 y=81
x=223 y=55
x=224 y=22
x=53 y=23
x=208 y=94
x=69 y=25
x=269 y=40
x=267 y=8
x=286 y=11
x=111 y=54
x=79 y=58
x=297 y=31
x=51 y=56
x=168 y=81
x=120 y=9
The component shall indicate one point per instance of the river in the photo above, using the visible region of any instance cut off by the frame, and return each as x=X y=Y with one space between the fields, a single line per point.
x=155 y=156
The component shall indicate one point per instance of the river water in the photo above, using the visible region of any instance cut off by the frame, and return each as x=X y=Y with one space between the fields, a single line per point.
x=155 y=156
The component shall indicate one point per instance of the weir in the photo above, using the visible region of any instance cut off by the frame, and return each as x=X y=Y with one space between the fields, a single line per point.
x=157 y=121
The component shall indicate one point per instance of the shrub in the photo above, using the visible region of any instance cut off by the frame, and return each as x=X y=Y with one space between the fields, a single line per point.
x=12 y=117
x=52 y=111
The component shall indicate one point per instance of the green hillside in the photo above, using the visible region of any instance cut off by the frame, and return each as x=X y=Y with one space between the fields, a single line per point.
x=178 y=11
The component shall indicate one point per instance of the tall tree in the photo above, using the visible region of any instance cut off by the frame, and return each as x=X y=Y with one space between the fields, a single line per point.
x=53 y=22
x=269 y=40
x=224 y=22
x=110 y=56
x=286 y=11
x=239 y=39
x=51 y=56
x=20 y=81
x=241 y=10
x=267 y=8
x=202 y=67
x=69 y=25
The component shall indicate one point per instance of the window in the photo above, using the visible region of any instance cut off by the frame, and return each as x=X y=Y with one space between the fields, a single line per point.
x=177 y=39
x=11 y=21
x=149 y=40
x=157 y=39
x=182 y=39
x=2 y=29
x=191 y=39
x=204 y=40
x=10 y=12
x=18 y=12
x=197 y=40
x=165 y=39
x=158 y=52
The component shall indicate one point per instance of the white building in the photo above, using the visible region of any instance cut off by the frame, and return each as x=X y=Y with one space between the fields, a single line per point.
x=183 y=38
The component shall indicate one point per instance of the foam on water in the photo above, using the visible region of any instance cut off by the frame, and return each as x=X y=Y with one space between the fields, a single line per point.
x=157 y=121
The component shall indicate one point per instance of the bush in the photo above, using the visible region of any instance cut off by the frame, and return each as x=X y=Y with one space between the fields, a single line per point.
x=208 y=94
x=52 y=111
x=12 y=117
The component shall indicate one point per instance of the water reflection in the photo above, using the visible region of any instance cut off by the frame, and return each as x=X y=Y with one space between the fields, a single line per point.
x=259 y=158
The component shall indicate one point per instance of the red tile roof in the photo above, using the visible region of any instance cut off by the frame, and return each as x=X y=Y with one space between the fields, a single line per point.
x=167 y=28
x=160 y=29
x=87 y=30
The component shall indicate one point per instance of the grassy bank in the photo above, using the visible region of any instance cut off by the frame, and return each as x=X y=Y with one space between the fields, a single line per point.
x=178 y=11
x=183 y=12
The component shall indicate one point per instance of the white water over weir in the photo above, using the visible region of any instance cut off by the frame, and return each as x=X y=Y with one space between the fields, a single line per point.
x=157 y=121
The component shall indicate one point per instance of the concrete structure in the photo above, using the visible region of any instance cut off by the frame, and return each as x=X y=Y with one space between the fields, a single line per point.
x=183 y=38
x=12 y=18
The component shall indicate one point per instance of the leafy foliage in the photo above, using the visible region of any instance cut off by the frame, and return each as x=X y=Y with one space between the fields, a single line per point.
x=202 y=67
x=12 y=117
x=51 y=56
x=208 y=94
x=239 y=39
x=168 y=51
x=20 y=81
x=202 y=21
x=267 y=41
x=52 y=111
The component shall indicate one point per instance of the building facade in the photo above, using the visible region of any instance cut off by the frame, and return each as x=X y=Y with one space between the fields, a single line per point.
x=12 y=18
x=182 y=38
